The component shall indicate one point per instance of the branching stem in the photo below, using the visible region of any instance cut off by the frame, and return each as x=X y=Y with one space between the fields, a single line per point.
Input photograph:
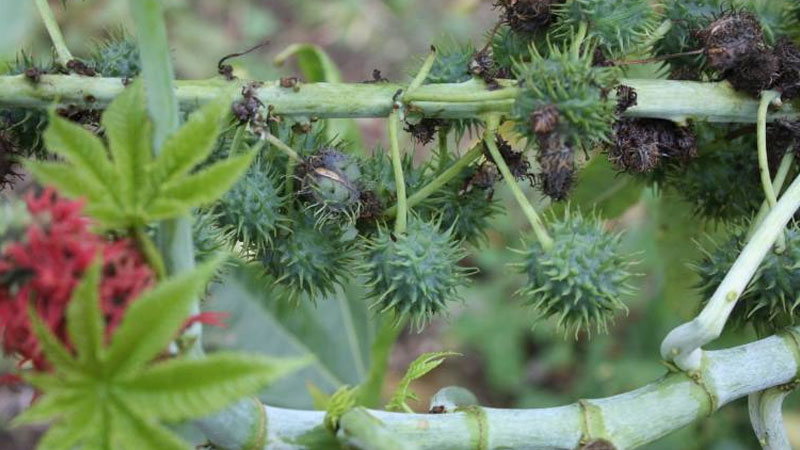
x=536 y=223
x=63 y=55
x=767 y=97
x=282 y=147
x=401 y=220
x=422 y=74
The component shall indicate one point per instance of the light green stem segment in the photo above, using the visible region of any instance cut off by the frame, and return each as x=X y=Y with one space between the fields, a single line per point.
x=63 y=55
x=766 y=415
x=536 y=222
x=767 y=98
x=777 y=185
x=423 y=73
x=361 y=430
x=401 y=221
x=369 y=394
x=443 y=178
x=629 y=420
x=283 y=147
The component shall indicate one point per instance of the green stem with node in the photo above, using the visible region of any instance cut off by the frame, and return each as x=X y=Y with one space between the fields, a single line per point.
x=536 y=223
x=682 y=345
x=443 y=152
x=767 y=98
x=401 y=221
x=509 y=93
x=150 y=251
x=766 y=416
x=63 y=55
x=422 y=74
x=288 y=151
x=443 y=178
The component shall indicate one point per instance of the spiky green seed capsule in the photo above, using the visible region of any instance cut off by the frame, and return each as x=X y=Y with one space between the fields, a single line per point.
x=568 y=82
x=686 y=17
x=311 y=258
x=582 y=280
x=416 y=273
x=508 y=46
x=332 y=180
x=117 y=57
x=251 y=210
x=618 y=25
x=770 y=302
x=209 y=238
x=451 y=64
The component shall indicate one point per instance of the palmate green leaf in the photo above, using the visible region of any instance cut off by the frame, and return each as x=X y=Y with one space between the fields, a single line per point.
x=421 y=366
x=209 y=184
x=177 y=389
x=84 y=319
x=154 y=319
x=50 y=406
x=55 y=352
x=130 y=140
x=80 y=423
x=70 y=182
x=131 y=431
x=193 y=142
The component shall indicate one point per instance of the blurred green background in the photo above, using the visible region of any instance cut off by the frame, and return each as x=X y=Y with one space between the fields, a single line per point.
x=506 y=361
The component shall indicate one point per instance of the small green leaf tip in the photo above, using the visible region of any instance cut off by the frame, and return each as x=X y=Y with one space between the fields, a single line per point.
x=770 y=302
x=421 y=366
x=564 y=79
x=416 y=273
x=582 y=280
x=619 y=26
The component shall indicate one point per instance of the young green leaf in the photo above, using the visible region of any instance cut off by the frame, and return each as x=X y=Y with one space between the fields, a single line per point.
x=118 y=397
x=209 y=184
x=342 y=401
x=69 y=182
x=425 y=363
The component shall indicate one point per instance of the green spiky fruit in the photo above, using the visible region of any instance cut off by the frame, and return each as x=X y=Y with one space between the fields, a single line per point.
x=770 y=301
x=508 y=46
x=251 y=210
x=332 y=180
x=117 y=57
x=465 y=207
x=567 y=82
x=416 y=273
x=723 y=182
x=378 y=176
x=209 y=238
x=686 y=17
x=582 y=279
x=451 y=64
x=619 y=26
x=310 y=258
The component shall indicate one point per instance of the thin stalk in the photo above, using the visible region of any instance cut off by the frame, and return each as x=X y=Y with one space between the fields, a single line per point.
x=777 y=186
x=528 y=209
x=434 y=185
x=767 y=97
x=63 y=55
x=423 y=72
x=389 y=329
x=283 y=147
x=401 y=221
x=682 y=345
x=150 y=251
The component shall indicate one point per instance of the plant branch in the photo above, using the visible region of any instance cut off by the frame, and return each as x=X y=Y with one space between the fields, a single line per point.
x=682 y=344
x=628 y=420
x=767 y=98
x=443 y=178
x=401 y=221
x=536 y=222
x=63 y=55
x=766 y=415
x=663 y=99
x=777 y=186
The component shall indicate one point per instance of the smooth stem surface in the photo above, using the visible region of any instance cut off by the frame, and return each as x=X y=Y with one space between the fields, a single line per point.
x=777 y=186
x=423 y=72
x=682 y=345
x=536 y=222
x=63 y=55
x=767 y=98
x=443 y=178
x=766 y=415
x=627 y=420
x=401 y=220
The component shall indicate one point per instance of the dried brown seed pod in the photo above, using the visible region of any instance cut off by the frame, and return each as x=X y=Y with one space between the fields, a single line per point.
x=730 y=37
x=640 y=144
x=544 y=120
x=527 y=16
x=557 y=163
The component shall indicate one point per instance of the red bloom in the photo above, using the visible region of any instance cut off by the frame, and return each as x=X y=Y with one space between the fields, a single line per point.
x=46 y=265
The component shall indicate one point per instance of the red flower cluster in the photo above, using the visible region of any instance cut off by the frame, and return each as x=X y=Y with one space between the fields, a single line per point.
x=48 y=262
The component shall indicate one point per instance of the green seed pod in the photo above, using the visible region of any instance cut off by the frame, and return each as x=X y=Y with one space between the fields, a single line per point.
x=451 y=64
x=567 y=81
x=770 y=301
x=310 y=258
x=581 y=280
x=378 y=176
x=117 y=57
x=465 y=205
x=209 y=238
x=251 y=210
x=332 y=180
x=686 y=17
x=619 y=26
x=415 y=274
x=508 y=46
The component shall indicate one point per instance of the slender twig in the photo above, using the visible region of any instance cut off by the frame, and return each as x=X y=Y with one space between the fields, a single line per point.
x=528 y=209
x=443 y=178
x=767 y=97
x=401 y=221
x=777 y=186
x=63 y=55
x=283 y=147
x=423 y=72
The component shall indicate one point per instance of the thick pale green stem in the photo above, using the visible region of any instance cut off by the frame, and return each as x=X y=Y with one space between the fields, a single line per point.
x=766 y=415
x=401 y=221
x=536 y=222
x=627 y=421
x=361 y=430
x=663 y=99
x=63 y=55
x=763 y=163
x=682 y=344
x=473 y=154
